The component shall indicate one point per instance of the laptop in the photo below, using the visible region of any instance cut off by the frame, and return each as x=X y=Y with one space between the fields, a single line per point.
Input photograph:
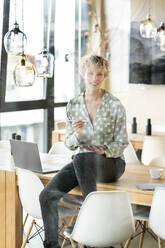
x=26 y=156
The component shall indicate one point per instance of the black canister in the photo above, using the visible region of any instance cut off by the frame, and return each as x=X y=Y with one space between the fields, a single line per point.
x=148 y=127
x=18 y=137
x=134 y=125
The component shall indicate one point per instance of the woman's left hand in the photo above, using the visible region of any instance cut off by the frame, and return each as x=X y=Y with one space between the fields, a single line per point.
x=97 y=149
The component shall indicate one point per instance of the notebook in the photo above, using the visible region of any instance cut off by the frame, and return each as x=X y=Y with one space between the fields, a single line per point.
x=149 y=186
x=26 y=156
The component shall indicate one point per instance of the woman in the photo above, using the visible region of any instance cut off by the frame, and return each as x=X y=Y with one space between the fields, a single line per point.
x=96 y=129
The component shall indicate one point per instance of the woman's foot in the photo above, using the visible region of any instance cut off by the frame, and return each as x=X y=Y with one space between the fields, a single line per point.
x=51 y=244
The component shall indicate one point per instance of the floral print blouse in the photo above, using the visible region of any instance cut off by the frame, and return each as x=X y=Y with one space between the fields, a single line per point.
x=108 y=128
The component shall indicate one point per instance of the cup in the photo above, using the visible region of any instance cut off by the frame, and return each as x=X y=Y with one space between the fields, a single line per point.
x=156 y=172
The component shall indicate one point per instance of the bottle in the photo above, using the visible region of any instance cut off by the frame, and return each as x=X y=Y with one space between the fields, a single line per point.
x=148 y=127
x=13 y=135
x=18 y=137
x=134 y=125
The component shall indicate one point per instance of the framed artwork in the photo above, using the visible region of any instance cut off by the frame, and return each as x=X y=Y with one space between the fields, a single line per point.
x=146 y=60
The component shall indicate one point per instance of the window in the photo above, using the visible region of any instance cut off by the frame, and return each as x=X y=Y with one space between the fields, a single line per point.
x=30 y=111
x=29 y=126
x=65 y=50
x=1 y=18
x=33 y=28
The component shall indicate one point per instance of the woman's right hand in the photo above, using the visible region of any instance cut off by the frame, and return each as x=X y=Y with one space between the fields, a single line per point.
x=77 y=126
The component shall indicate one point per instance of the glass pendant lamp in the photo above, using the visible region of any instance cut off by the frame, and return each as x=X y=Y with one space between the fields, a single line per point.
x=15 y=40
x=160 y=36
x=148 y=28
x=24 y=73
x=44 y=63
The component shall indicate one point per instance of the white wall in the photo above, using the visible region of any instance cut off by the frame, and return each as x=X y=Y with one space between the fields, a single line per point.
x=141 y=101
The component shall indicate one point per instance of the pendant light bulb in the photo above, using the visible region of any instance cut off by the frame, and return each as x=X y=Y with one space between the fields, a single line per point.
x=148 y=28
x=44 y=63
x=15 y=41
x=24 y=73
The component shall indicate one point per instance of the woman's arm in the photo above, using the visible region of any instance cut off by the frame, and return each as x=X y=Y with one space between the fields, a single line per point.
x=73 y=130
x=115 y=149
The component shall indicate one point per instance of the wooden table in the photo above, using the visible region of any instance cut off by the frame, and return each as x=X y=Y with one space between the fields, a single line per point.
x=11 y=210
x=136 y=139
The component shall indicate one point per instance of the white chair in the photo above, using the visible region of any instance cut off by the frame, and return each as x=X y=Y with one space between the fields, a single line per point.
x=157 y=214
x=30 y=187
x=105 y=219
x=60 y=148
x=130 y=155
x=152 y=147
x=158 y=161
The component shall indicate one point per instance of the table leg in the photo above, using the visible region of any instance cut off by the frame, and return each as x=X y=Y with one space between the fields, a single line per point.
x=2 y=209
x=14 y=223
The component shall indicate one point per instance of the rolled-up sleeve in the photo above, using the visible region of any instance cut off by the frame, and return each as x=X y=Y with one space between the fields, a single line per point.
x=120 y=138
x=71 y=140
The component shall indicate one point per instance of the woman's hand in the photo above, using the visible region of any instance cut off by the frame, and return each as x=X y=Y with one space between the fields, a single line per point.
x=77 y=126
x=97 y=149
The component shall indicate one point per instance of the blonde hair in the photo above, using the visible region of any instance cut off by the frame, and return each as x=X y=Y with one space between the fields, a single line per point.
x=94 y=60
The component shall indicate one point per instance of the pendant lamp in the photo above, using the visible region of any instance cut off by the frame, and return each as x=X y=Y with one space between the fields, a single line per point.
x=24 y=73
x=15 y=40
x=160 y=36
x=148 y=28
x=44 y=61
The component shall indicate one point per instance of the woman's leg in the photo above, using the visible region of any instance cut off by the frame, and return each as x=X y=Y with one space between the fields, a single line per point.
x=63 y=182
x=109 y=169
x=85 y=169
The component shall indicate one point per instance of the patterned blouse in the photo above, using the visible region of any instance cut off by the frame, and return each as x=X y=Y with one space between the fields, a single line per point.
x=108 y=128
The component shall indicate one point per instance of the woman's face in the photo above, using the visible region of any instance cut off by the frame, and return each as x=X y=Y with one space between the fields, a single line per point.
x=94 y=76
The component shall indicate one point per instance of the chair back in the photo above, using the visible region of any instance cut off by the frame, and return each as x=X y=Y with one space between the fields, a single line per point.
x=158 y=161
x=30 y=188
x=152 y=147
x=60 y=148
x=105 y=219
x=157 y=215
x=130 y=155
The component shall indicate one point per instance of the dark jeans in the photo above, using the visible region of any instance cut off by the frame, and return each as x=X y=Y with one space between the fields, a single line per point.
x=84 y=170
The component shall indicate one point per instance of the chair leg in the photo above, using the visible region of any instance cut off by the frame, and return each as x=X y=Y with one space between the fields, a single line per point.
x=142 y=235
x=25 y=220
x=129 y=240
x=72 y=243
x=70 y=224
x=28 y=233
x=159 y=242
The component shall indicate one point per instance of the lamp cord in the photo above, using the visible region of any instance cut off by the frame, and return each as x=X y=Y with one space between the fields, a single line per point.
x=23 y=27
x=149 y=8
x=15 y=7
x=47 y=25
